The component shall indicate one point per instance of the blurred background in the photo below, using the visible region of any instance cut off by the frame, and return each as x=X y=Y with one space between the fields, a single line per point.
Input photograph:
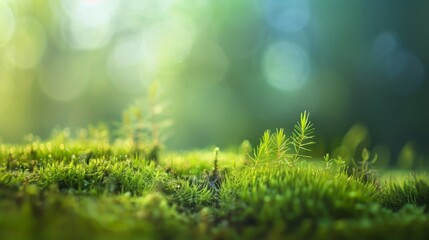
x=228 y=69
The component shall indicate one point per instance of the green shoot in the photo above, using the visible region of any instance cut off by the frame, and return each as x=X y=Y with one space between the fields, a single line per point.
x=327 y=161
x=263 y=150
x=144 y=126
x=302 y=137
x=280 y=145
x=215 y=162
x=362 y=169
x=276 y=146
x=340 y=163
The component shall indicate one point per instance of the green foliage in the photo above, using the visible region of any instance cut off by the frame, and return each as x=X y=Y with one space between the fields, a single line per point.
x=263 y=151
x=266 y=194
x=327 y=161
x=413 y=190
x=100 y=176
x=280 y=145
x=190 y=195
x=340 y=163
x=302 y=137
x=277 y=147
x=105 y=191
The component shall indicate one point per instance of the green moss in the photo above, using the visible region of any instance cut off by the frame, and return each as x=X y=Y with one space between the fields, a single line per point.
x=413 y=190
x=89 y=187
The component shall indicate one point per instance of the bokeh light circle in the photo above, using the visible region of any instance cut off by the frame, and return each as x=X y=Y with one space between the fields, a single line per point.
x=285 y=16
x=158 y=39
x=292 y=20
x=406 y=72
x=89 y=23
x=398 y=68
x=130 y=66
x=384 y=44
x=60 y=86
x=285 y=66
x=139 y=58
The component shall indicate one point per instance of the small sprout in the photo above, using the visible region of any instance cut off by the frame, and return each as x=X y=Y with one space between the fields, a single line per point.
x=365 y=155
x=327 y=161
x=302 y=137
x=263 y=150
x=277 y=147
x=144 y=126
x=362 y=169
x=246 y=150
x=281 y=145
x=215 y=162
x=340 y=162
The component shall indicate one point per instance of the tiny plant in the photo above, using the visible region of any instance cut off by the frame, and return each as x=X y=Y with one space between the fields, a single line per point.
x=143 y=125
x=340 y=163
x=215 y=162
x=280 y=145
x=263 y=150
x=328 y=161
x=277 y=147
x=302 y=137
x=362 y=169
x=132 y=126
x=246 y=150
x=215 y=178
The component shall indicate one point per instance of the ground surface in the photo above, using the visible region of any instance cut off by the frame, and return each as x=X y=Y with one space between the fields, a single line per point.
x=88 y=189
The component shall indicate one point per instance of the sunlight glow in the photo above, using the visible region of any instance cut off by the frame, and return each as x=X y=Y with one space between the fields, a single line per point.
x=126 y=63
x=89 y=23
x=29 y=43
x=7 y=23
x=6 y=90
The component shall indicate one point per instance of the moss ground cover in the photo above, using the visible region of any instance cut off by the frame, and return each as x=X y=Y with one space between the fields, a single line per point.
x=91 y=188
